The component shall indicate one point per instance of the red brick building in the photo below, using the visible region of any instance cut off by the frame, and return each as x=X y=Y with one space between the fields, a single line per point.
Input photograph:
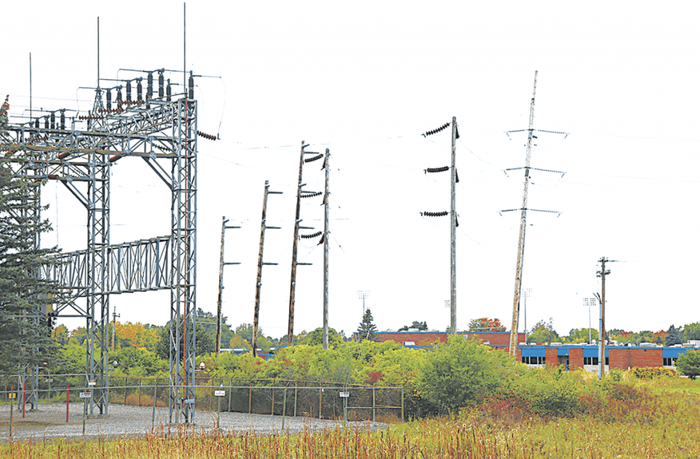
x=426 y=338
x=571 y=356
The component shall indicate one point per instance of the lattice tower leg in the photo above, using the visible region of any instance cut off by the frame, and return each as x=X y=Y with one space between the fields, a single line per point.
x=184 y=249
x=98 y=274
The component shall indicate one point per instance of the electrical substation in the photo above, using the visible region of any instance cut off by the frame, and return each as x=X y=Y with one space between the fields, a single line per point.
x=159 y=127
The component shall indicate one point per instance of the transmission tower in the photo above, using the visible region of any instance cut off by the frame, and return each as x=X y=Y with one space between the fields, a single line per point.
x=454 y=179
x=523 y=219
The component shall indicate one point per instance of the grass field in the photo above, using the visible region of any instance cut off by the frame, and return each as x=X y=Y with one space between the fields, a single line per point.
x=662 y=423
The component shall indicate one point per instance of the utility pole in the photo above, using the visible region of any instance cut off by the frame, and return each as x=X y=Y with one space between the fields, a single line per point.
x=114 y=325
x=297 y=220
x=326 y=210
x=295 y=243
x=221 y=283
x=521 y=237
x=601 y=346
x=454 y=179
x=453 y=234
x=263 y=227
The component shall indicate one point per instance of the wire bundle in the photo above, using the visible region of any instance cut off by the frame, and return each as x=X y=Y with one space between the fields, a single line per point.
x=310 y=236
x=444 y=213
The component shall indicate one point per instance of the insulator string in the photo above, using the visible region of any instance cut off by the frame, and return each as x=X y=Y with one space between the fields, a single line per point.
x=315 y=158
x=444 y=213
x=310 y=236
x=435 y=131
x=432 y=170
x=311 y=195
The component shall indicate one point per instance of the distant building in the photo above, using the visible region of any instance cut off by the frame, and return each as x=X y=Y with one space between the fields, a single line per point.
x=571 y=356
x=499 y=340
x=575 y=356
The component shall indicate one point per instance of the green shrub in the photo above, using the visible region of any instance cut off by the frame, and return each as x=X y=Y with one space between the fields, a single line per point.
x=689 y=364
x=653 y=373
x=461 y=372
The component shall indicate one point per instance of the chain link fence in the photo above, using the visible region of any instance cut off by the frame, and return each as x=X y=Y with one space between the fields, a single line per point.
x=330 y=401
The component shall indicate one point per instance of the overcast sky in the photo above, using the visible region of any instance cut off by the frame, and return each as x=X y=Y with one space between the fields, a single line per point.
x=366 y=79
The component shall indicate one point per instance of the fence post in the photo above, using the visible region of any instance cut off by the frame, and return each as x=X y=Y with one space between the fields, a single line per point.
x=250 y=397
x=284 y=406
x=230 y=389
x=12 y=408
x=126 y=380
x=320 y=407
x=295 y=399
x=272 y=408
x=67 y=401
x=374 y=406
x=153 y=417
x=140 y=387
x=402 y=404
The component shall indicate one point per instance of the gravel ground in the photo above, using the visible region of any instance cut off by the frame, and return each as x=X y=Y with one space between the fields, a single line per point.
x=50 y=422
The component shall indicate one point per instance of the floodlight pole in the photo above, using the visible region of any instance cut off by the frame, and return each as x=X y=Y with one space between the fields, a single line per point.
x=363 y=296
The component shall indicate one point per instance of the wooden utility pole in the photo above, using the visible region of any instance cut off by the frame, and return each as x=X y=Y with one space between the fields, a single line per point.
x=326 y=209
x=453 y=233
x=521 y=238
x=114 y=325
x=221 y=283
x=263 y=227
x=297 y=220
x=601 y=298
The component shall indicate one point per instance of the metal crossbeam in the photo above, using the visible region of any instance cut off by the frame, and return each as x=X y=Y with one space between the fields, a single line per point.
x=137 y=266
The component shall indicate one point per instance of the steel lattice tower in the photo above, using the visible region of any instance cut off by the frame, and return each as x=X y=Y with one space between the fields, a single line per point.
x=157 y=130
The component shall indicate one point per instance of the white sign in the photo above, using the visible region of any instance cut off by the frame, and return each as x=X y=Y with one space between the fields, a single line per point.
x=345 y=394
x=219 y=393
x=85 y=394
x=92 y=382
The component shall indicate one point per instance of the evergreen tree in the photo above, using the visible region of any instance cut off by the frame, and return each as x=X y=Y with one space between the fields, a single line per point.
x=673 y=337
x=25 y=330
x=367 y=329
